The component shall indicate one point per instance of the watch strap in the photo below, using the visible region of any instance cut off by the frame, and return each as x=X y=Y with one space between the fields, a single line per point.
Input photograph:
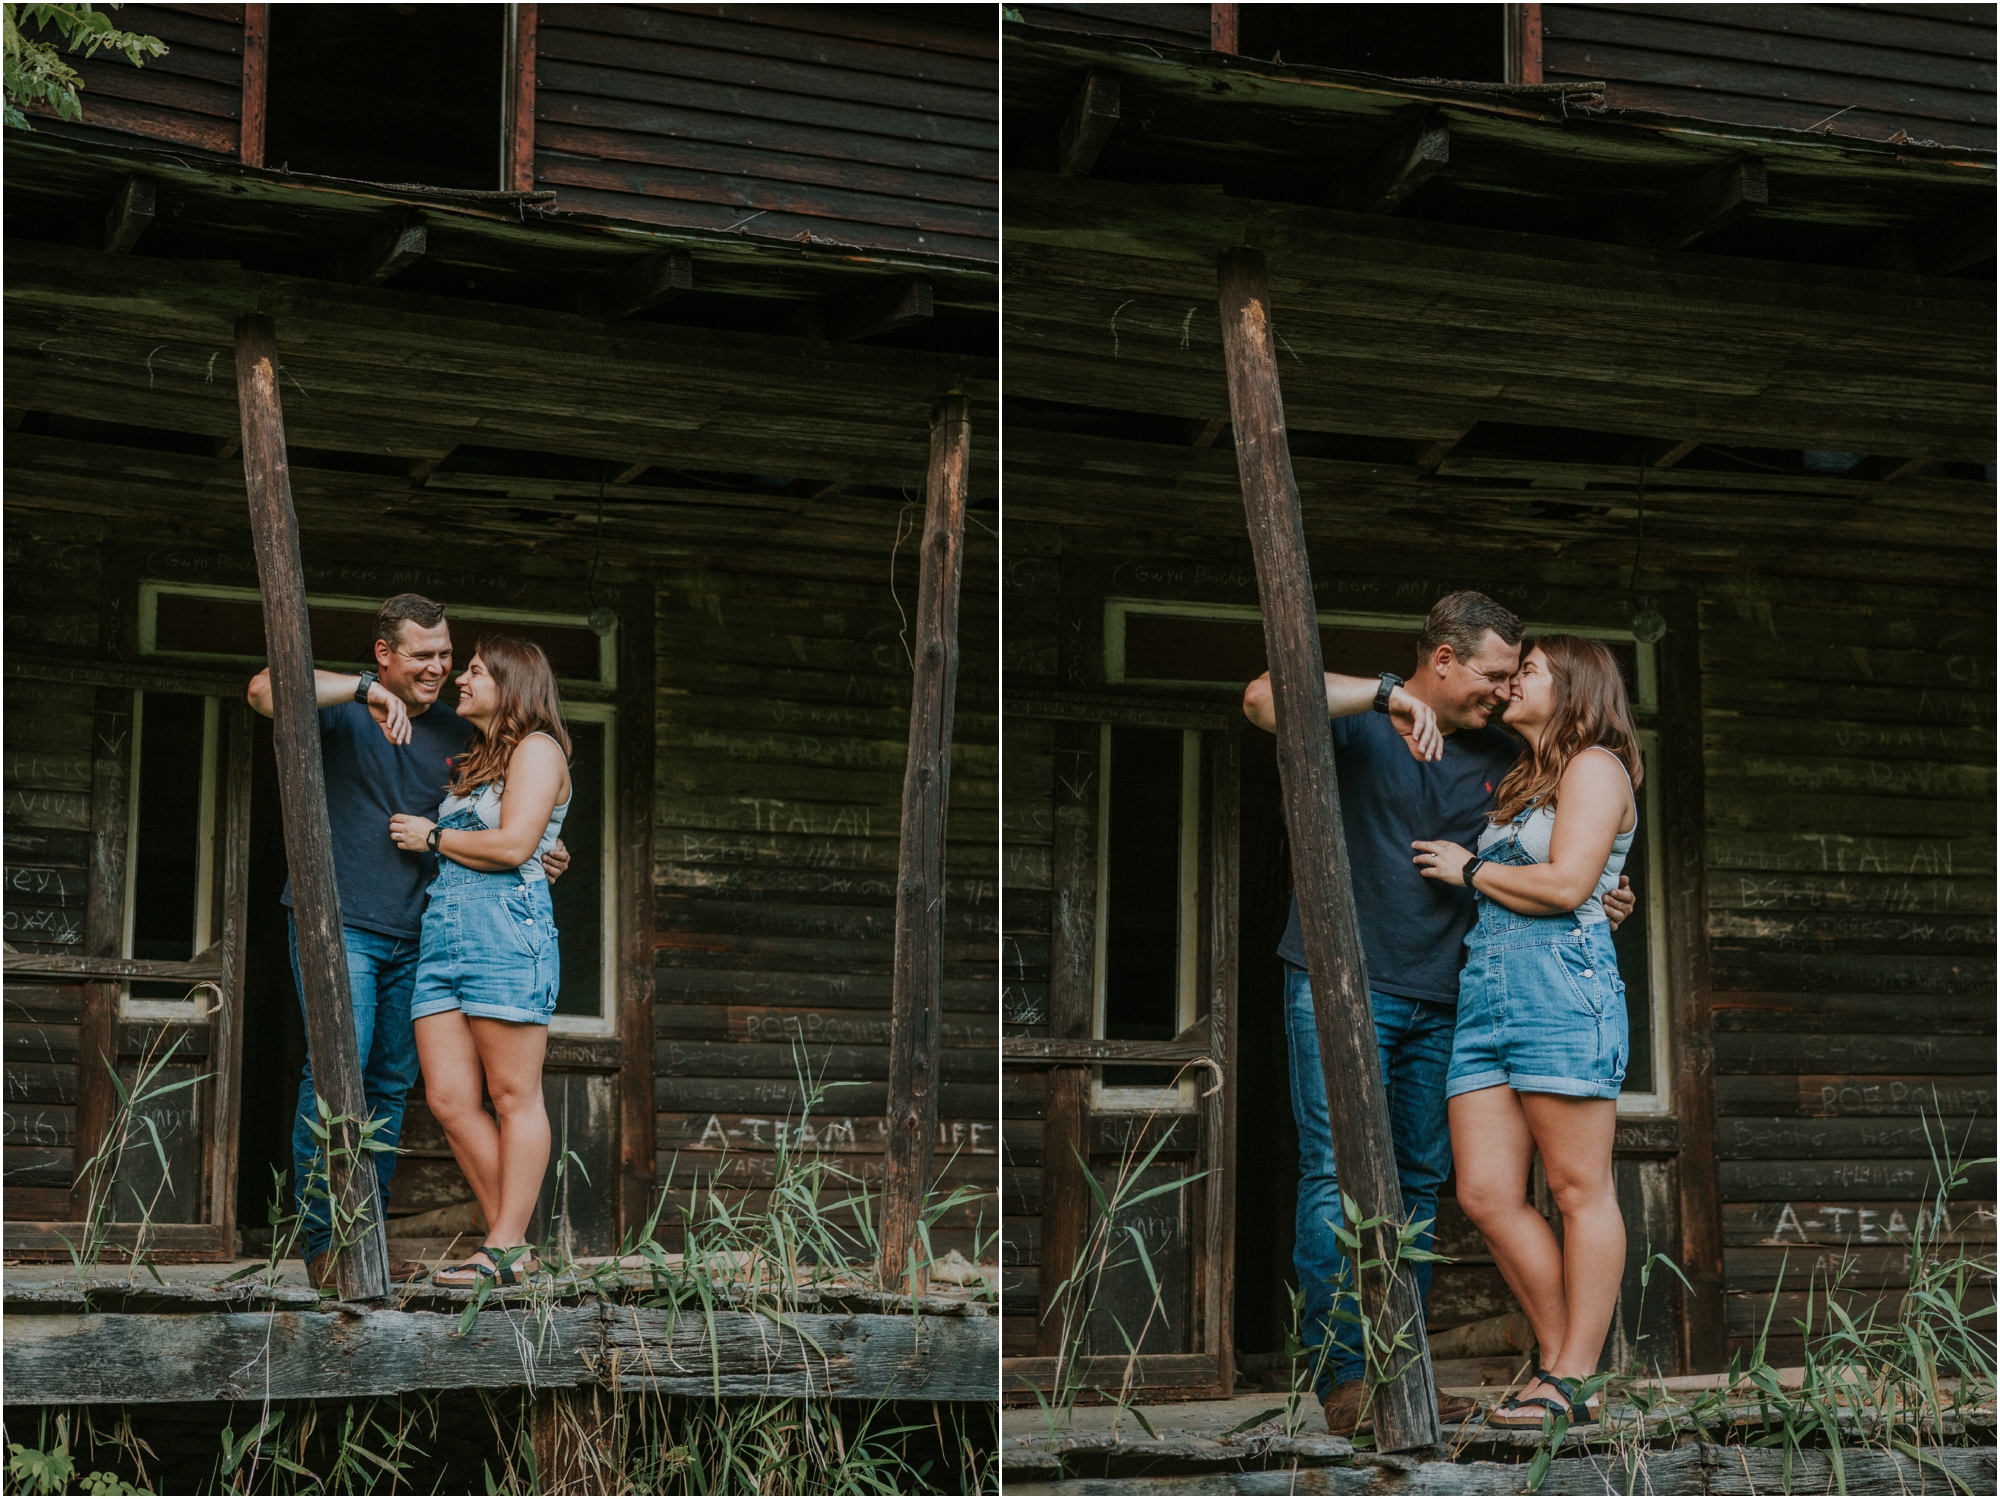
x=368 y=681
x=431 y=841
x=1390 y=682
x=1471 y=868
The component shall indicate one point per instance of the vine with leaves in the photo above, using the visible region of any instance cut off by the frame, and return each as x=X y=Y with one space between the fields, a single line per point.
x=36 y=71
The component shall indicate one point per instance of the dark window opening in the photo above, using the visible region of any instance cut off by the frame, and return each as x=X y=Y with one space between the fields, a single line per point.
x=578 y=896
x=388 y=93
x=167 y=909
x=1464 y=42
x=1143 y=894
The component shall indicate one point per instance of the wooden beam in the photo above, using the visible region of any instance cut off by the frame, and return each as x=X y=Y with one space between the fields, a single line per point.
x=208 y=968
x=520 y=146
x=422 y=468
x=1712 y=201
x=1406 y=1413
x=1222 y=28
x=256 y=31
x=1210 y=430
x=917 y=988
x=142 y=1358
x=1092 y=115
x=909 y=301
x=629 y=475
x=636 y=907
x=1041 y=1050
x=361 y=1269
x=398 y=246
x=1431 y=455
x=1955 y=245
x=651 y=281
x=130 y=216
x=1888 y=470
x=1408 y=163
x=1524 y=44
x=1675 y=453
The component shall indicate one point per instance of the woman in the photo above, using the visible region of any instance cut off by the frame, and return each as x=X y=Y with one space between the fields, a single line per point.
x=487 y=970
x=1541 y=1044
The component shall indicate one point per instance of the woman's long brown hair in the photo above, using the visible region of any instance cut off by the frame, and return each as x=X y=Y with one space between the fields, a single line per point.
x=529 y=703
x=1591 y=708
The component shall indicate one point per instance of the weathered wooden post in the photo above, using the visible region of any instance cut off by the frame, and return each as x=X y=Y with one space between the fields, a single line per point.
x=361 y=1265
x=1405 y=1407
x=917 y=989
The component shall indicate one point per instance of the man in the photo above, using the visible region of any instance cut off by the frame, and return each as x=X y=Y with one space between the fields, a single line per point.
x=1423 y=764
x=387 y=744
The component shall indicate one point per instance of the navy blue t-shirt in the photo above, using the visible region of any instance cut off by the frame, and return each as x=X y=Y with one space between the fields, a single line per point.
x=368 y=781
x=1412 y=929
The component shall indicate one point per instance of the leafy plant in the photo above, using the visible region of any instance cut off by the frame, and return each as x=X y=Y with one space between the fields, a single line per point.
x=36 y=73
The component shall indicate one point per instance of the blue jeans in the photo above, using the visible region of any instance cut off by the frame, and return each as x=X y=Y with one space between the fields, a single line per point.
x=1415 y=1040
x=381 y=973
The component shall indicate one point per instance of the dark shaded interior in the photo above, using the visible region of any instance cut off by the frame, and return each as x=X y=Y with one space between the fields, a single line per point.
x=1142 y=926
x=388 y=93
x=1462 y=42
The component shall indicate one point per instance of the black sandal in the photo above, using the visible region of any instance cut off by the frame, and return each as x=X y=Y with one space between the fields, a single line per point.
x=505 y=1272
x=1564 y=1407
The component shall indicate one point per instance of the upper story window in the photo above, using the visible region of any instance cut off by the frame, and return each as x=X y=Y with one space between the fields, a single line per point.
x=1463 y=42
x=388 y=93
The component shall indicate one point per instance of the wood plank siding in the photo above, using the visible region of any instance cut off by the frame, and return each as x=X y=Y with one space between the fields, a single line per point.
x=781 y=732
x=190 y=97
x=862 y=125
x=52 y=575
x=1162 y=25
x=1861 y=70
x=1848 y=756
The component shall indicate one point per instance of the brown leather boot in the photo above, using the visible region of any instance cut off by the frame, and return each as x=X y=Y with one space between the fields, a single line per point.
x=1343 y=1408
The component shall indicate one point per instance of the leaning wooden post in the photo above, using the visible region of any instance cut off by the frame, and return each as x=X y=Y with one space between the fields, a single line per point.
x=361 y=1263
x=917 y=988
x=1405 y=1405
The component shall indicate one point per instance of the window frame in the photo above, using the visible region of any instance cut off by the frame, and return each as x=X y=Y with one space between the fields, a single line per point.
x=1645 y=699
x=605 y=1022
x=1658 y=1103
x=192 y=1010
x=1179 y=1097
x=152 y=589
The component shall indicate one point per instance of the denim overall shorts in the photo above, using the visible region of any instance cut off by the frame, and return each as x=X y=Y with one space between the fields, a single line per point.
x=489 y=942
x=1541 y=1005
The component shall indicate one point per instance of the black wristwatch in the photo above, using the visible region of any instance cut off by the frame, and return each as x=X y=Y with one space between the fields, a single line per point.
x=368 y=681
x=431 y=839
x=1390 y=682
x=1465 y=874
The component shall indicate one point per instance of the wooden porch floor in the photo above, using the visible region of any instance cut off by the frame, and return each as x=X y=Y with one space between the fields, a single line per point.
x=231 y=1332
x=1241 y=1446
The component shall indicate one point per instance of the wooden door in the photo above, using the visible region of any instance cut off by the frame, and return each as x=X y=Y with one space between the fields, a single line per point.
x=156 y=992
x=1137 y=1140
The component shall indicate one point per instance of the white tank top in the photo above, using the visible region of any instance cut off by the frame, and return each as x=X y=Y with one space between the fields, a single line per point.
x=485 y=805
x=1536 y=828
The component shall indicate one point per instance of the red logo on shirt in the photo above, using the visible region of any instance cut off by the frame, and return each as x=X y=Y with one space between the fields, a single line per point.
x=1489 y=786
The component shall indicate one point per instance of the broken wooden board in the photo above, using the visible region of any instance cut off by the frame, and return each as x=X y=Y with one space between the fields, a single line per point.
x=106 y=1358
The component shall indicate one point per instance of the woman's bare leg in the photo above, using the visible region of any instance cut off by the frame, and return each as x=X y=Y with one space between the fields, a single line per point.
x=1575 y=1136
x=512 y=1053
x=1493 y=1151
x=454 y=1086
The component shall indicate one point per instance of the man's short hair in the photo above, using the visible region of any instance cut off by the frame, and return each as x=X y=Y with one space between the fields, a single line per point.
x=406 y=609
x=1461 y=620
